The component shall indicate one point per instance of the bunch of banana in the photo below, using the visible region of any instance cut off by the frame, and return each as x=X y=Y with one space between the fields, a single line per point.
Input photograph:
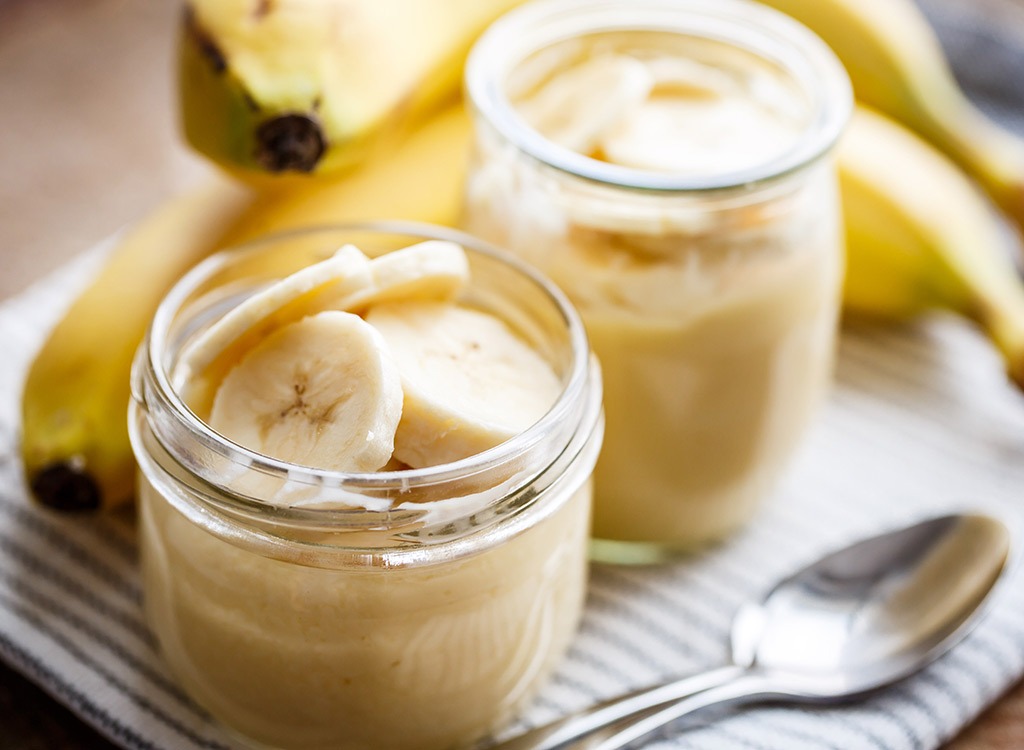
x=74 y=434
x=314 y=86
x=920 y=236
x=897 y=66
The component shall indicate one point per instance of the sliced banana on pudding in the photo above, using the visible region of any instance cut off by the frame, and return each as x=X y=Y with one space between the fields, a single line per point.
x=432 y=270
x=470 y=383
x=347 y=281
x=321 y=392
x=294 y=373
x=207 y=359
x=684 y=135
x=576 y=108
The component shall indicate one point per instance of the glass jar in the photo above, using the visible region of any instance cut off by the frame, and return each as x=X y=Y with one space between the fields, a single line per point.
x=401 y=609
x=710 y=291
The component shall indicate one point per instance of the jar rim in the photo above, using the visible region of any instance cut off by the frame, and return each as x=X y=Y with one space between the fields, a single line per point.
x=152 y=388
x=761 y=30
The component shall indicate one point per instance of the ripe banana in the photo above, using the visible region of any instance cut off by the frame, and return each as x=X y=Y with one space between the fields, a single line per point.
x=420 y=181
x=469 y=382
x=74 y=434
x=316 y=85
x=920 y=236
x=897 y=66
x=321 y=392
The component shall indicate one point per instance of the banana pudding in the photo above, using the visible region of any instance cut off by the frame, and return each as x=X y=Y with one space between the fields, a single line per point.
x=364 y=487
x=667 y=164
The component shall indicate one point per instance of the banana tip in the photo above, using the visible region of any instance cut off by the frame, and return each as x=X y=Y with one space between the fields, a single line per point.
x=65 y=487
x=1017 y=375
x=290 y=143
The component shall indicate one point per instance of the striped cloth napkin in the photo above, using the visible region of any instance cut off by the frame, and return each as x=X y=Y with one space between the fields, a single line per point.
x=921 y=421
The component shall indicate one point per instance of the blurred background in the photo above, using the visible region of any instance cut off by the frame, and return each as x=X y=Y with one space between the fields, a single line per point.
x=87 y=126
x=88 y=144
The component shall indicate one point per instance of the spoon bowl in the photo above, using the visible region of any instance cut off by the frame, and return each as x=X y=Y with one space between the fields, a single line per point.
x=850 y=623
x=876 y=611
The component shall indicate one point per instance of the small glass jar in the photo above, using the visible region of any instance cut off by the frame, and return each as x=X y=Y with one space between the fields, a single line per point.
x=710 y=296
x=401 y=609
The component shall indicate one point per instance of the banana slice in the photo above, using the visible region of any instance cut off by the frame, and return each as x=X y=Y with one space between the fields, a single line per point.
x=206 y=360
x=432 y=270
x=576 y=107
x=697 y=135
x=321 y=392
x=470 y=383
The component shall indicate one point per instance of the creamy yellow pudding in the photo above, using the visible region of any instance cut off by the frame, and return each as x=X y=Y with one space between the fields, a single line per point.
x=307 y=601
x=291 y=655
x=675 y=182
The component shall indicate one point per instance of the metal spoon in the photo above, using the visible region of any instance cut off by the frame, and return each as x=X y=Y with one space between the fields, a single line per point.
x=854 y=621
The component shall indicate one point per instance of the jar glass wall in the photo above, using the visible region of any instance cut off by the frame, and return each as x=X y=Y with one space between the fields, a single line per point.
x=403 y=609
x=707 y=270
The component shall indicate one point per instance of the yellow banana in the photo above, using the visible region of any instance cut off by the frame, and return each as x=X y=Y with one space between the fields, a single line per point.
x=317 y=85
x=920 y=236
x=74 y=436
x=420 y=181
x=897 y=65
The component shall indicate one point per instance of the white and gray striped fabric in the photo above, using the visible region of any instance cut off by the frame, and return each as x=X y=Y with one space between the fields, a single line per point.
x=921 y=421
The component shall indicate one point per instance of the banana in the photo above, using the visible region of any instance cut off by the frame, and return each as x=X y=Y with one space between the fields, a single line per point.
x=433 y=270
x=920 y=236
x=322 y=392
x=421 y=382
x=897 y=66
x=347 y=281
x=74 y=442
x=206 y=359
x=74 y=435
x=659 y=136
x=640 y=113
x=316 y=86
x=469 y=382
x=419 y=181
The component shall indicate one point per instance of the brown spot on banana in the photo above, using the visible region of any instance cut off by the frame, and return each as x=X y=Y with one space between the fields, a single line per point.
x=262 y=9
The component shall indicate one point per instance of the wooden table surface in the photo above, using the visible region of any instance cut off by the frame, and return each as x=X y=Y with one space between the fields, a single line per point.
x=88 y=143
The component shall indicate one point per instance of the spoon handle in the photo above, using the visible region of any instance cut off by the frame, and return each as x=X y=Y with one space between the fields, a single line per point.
x=582 y=724
x=738 y=690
